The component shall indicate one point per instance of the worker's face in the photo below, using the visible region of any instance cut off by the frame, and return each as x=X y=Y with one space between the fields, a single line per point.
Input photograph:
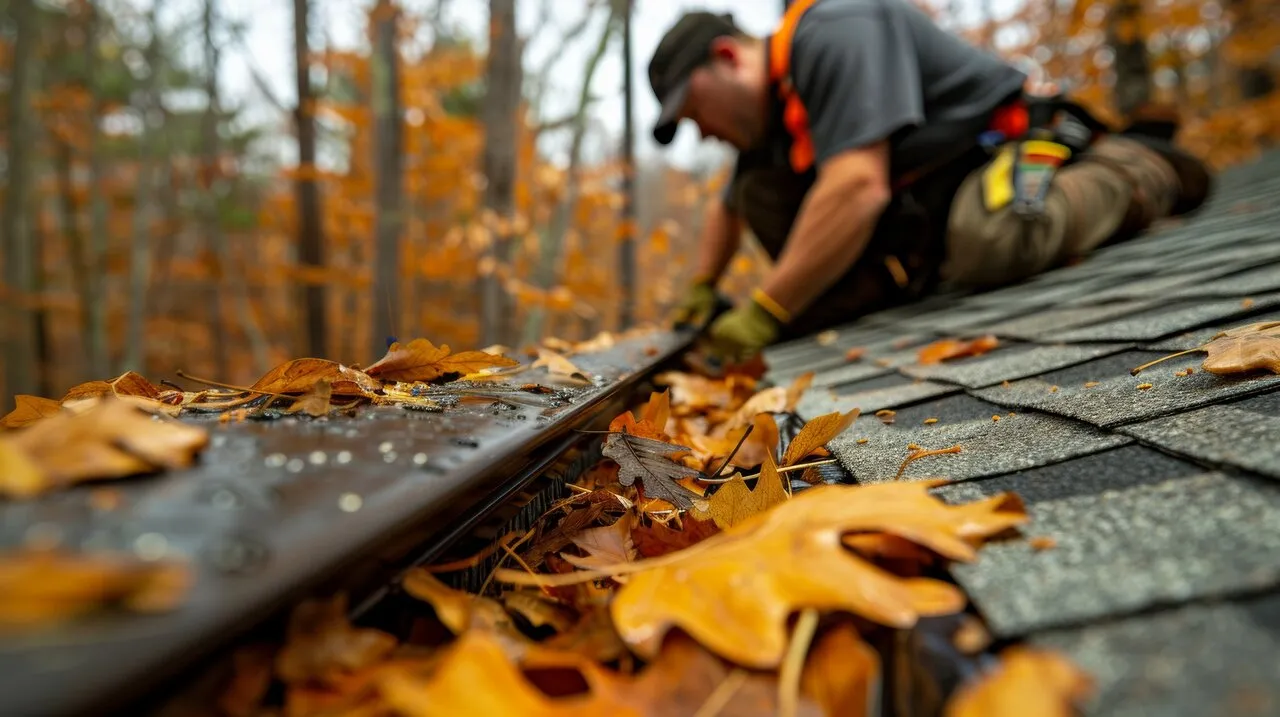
x=726 y=96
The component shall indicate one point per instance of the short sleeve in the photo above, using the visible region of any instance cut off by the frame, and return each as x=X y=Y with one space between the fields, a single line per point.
x=858 y=75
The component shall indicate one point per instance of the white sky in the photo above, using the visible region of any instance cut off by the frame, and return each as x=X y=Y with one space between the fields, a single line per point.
x=269 y=40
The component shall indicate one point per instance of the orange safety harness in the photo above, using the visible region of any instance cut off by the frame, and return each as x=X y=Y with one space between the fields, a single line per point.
x=794 y=116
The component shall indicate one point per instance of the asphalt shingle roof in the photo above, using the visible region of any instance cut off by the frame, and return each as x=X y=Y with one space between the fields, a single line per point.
x=1165 y=578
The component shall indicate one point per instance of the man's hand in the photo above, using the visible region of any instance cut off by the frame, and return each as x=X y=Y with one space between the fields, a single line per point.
x=696 y=307
x=743 y=332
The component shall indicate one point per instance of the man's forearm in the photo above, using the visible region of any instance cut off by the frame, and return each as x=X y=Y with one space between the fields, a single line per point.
x=830 y=234
x=721 y=235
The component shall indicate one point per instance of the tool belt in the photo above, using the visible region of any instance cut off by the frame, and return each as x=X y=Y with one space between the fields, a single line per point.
x=1032 y=138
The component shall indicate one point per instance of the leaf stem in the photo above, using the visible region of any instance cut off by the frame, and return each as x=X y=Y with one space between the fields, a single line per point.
x=1162 y=359
x=786 y=469
x=793 y=663
x=723 y=692
x=924 y=454
x=228 y=386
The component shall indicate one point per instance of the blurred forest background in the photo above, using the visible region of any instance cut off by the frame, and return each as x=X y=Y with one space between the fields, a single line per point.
x=441 y=181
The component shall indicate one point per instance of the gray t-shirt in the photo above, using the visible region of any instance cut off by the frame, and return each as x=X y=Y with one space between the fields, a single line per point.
x=868 y=70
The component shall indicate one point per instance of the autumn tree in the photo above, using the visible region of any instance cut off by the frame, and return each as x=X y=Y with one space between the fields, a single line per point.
x=503 y=77
x=388 y=170
x=18 y=244
x=310 y=230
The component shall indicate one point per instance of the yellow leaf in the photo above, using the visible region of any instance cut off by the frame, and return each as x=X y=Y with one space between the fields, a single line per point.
x=734 y=503
x=817 y=433
x=1027 y=681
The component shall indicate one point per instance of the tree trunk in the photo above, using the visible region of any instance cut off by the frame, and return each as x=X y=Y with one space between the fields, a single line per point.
x=562 y=219
x=388 y=173
x=310 y=230
x=135 y=354
x=627 y=247
x=1133 y=70
x=95 y=329
x=501 y=104
x=19 y=249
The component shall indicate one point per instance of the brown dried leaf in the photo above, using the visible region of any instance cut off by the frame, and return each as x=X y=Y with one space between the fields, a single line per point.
x=735 y=503
x=657 y=539
x=420 y=360
x=606 y=545
x=817 y=433
x=30 y=409
x=1027 y=681
x=126 y=384
x=462 y=612
x=39 y=587
x=770 y=400
x=842 y=674
x=1247 y=348
x=298 y=376
x=947 y=349
x=539 y=610
x=654 y=464
x=322 y=645
x=110 y=440
x=315 y=402
x=250 y=678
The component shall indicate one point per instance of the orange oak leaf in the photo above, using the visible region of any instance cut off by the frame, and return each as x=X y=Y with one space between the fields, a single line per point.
x=842 y=674
x=1026 y=681
x=112 y=439
x=298 y=376
x=817 y=433
x=420 y=360
x=764 y=569
x=39 y=587
x=30 y=409
x=321 y=645
x=946 y=349
x=126 y=384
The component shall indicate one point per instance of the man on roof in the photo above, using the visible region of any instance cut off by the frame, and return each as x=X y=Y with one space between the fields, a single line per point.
x=879 y=156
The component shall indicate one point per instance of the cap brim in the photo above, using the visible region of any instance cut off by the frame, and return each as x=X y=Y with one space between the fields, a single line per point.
x=669 y=120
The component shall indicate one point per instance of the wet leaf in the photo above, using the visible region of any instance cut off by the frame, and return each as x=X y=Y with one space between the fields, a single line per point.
x=110 y=440
x=947 y=349
x=38 y=587
x=657 y=539
x=459 y=611
x=817 y=433
x=30 y=409
x=299 y=375
x=322 y=645
x=315 y=402
x=734 y=503
x=761 y=571
x=420 y=360
x=126 y=384
x=1026 y=681
x=652 y=463
x=558 y=365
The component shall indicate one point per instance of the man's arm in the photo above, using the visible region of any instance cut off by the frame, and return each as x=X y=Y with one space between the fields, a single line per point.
x=720 y=238
x=833 y=228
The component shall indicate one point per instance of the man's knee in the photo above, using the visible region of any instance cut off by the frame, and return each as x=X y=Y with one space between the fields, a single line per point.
x=990 y=248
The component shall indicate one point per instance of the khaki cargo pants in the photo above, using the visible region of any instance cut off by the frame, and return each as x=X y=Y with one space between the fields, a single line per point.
x=1090 y=202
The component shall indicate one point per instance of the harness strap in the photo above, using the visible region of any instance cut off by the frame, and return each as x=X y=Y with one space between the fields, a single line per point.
x=794 y=115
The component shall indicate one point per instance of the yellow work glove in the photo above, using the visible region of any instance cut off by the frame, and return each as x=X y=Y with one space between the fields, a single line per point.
x=698 y=303
x=743 y=332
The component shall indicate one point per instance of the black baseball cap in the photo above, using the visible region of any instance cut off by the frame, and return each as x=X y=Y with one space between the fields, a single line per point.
x=685 y=47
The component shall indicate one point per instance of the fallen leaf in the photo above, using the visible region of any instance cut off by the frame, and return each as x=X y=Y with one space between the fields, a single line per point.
x=770 y=400
x=854 y=354
x=817 y=433
x=38 y=587
x=126 y=384
x=322 y=645
x=558 y=365
x=735 y=503
x=110 y=440
x=946 y=349
x=796 y=391
x=842 y=674
x=315 y=402
x=539 y=610
x=20 y=476
x=461 y=611
x=593 y=636
x=1042 y=542
x=606 y=545
x=250 y=678
x=762 y=570
x=657 y=539
x=658 y=411
x=420 y=360
x=1247 y=348
x=298 y=376
x=562 y=534
x=654 y=464
x=826 y=338
x=30 y=409
x=1026 y=681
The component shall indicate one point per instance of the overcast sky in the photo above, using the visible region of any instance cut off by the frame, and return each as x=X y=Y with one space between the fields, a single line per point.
x=269 y=43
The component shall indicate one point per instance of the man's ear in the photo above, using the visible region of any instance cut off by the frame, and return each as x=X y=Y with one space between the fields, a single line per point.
x=725 y=48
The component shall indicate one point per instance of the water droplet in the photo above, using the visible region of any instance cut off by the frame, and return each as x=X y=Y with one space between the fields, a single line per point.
x=385 y=447
x=318 y=458
x=295 y=465
x=419 y=459
x=150 y=546
x=275 y=460
x=344 y=457
x=389 y=457
x=350 y=502
x=219 y=441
